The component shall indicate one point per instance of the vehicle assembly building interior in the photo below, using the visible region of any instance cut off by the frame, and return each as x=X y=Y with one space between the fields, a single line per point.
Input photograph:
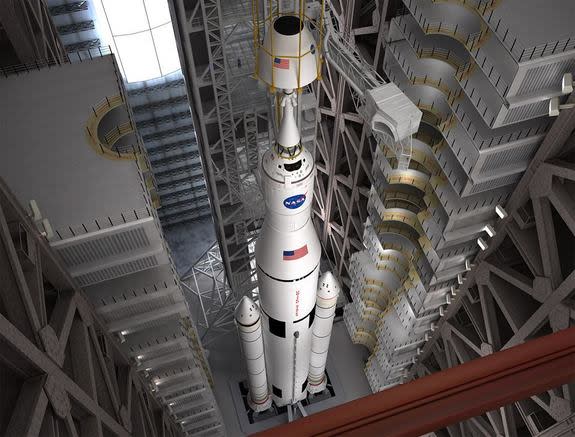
x=287 y=218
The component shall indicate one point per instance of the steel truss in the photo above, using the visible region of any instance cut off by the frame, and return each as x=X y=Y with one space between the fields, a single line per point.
x=344 y=145
x=207 y=283
x=521 y=288
x=62 y=374
x=230 y=130
x=344 y=155
x=32 y=34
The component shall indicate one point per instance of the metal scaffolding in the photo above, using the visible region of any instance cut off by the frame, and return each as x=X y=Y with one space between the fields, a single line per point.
x=521 y=288
x=62 y=373
x=231 y=120
x=211 y=295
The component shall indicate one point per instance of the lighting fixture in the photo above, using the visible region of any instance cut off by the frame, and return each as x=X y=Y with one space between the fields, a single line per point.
x=555 y=107
x=567 y=83
x=489 y=230
x=500 y=211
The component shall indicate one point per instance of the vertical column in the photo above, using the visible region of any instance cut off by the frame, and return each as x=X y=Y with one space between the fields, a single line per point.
x=248 y=322
x=327 y=292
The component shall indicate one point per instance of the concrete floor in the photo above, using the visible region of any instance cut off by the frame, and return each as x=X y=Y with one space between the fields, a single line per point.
x=227 y=365
x=189 y=241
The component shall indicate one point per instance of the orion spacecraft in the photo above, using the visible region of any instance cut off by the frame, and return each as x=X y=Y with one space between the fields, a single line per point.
x=285 y=339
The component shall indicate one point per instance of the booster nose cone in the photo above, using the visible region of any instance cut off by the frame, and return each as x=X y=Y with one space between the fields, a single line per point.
x=328 y=286
x=247 y=312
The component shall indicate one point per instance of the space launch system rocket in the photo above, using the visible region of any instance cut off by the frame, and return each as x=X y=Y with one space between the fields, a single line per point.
x=285 y=338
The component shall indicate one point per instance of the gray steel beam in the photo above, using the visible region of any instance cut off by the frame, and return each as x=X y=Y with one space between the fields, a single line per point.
x=89 y=380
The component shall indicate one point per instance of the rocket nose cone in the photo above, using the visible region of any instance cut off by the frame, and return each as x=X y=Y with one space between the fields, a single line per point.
x=328 y=286
x=288 y=135
x=247 y=312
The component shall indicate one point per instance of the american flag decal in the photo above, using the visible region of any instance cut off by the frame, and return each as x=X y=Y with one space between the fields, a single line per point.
x=282 y=64
x=290 y=255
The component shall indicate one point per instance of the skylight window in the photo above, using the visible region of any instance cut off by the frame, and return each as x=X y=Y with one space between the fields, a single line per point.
x=141 y=36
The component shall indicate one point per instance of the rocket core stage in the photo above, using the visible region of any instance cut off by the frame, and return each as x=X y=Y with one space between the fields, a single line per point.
x=282 y=336
x=287 y=256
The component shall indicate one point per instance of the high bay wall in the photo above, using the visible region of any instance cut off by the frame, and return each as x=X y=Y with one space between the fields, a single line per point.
x=62 y=373
x=425 y=224
x=406 y=240
x=83 y=173
x=520 y=289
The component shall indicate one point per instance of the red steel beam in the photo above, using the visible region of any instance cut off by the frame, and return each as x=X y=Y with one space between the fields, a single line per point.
x=450 y=396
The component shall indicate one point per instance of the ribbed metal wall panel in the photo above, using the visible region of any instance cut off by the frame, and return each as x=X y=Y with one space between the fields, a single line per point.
x=496 y=183
x=107 y=246
x=527 y=112
x=508 y=157
x=545 y=76
x=117 y=271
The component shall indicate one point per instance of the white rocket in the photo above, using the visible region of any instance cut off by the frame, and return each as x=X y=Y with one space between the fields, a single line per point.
x=285 y=339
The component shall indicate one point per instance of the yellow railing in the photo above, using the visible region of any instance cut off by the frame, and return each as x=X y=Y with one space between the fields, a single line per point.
x=155 y=199
x=398 y=199
x=118 y=132
x=417 y=182
x=437 y=84
x=261 y=23
x=106 y=105
x=479 y=6
x=104 y=147
x=441 y=55
x=361 y=336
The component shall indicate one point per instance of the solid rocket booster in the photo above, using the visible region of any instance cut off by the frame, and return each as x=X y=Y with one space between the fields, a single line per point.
x=287 y=257
x=327 y=293
x=248 y=322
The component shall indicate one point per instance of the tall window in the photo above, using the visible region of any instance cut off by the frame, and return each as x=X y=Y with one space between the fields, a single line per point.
x=141 y=36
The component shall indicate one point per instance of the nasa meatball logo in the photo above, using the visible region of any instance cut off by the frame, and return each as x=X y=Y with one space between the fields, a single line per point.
x=294 y=202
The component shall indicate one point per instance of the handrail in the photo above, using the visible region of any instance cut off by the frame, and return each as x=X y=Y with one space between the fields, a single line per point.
x=117 y=132
x=521 y=53
x=103 y=146
x=442 y=54
x=107 y=104
x=478 y=5
x=101 y=223
x=450 y=396
x=489 y=70
x=72 y=57
x=425 y=52
x=471 y=40
x=452 y=97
